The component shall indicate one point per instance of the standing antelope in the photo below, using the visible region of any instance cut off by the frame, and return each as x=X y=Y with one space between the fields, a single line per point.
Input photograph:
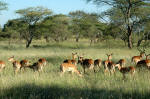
x=73 y=60
x=109 y=65
x=69 y=67
x=145 y=62
x=24 y=63
x=122 y=62
x=43 y=61
x=125 y=70
x=37 y=66
x=86 y=63
x=97 y=63
x=16 y=64
x=136 y=59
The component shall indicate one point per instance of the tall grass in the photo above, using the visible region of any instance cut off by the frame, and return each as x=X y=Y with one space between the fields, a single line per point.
x=49 y=83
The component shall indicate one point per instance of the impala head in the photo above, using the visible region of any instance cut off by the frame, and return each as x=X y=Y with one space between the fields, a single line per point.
x=109 y=56
x=74 y=55
x=11 y=59
x=80 y=59
x=142 y=51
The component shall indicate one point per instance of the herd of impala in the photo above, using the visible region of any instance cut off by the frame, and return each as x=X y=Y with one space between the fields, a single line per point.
x=109 y=65
x=18 y=65
x=71 y=64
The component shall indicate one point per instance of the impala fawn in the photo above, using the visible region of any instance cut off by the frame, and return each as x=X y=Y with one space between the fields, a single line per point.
x=86 y=63
x=125 y=70
x=109 y=65
x=73 y=60
x=42 y=61
x=69 y=67
x=143 y=63
x=2 y=65
x=16 y=64
x=97 y=63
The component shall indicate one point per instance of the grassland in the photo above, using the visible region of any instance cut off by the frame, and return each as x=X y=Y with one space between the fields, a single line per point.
x=49 y=84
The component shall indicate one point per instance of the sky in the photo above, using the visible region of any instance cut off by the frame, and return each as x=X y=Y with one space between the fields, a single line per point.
x=57 y=6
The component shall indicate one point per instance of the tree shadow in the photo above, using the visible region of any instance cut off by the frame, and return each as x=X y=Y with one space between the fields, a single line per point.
x=32 y=91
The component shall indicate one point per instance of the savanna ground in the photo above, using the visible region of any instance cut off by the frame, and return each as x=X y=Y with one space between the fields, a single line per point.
x=49 y=83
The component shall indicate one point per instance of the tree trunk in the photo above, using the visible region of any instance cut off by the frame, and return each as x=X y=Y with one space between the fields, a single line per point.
x=77 y=38
x=130 y=44
x=29 y=42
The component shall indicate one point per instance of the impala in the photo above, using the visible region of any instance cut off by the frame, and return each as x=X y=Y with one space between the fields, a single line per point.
x=69 y=67
x=136 y=59
x=97 y=63
x=109 y=65
x=73 y=60
x=24 y=63
x=37 y=66
x=86 y=63
x=16 y=64
x=122 y=62
x=125 y=70
x=145 y=62
x=43 y=61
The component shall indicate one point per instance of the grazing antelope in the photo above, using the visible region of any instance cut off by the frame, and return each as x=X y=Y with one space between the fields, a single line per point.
x=125 y=70
x=97 y=63
x=2 y=65
x=136 y=59
x=43 y=61
x=86 y=63
x=69 y=67
x=37 y=66
x=73 y=60
x=145 y=62
x=122 y=62
x=16 y=64
x=109 y=65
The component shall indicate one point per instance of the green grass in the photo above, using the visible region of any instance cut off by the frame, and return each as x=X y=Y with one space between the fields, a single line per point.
x=49 y=83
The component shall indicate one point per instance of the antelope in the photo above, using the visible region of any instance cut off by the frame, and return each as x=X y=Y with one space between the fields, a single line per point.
x=125 y=70
x=97 y=63
x=86 y=63
x=145 y=62
x=109 y=65
x=136 y=59
x=37 y=66
x=73 y=61
x=2 y=65
x=24 y=63
x=43 y=61
x=16 y=64
x=69 y=67
x=122 y=62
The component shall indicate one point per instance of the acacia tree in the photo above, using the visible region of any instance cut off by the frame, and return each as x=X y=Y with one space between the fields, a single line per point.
x=32 y=16
x=130 y=10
